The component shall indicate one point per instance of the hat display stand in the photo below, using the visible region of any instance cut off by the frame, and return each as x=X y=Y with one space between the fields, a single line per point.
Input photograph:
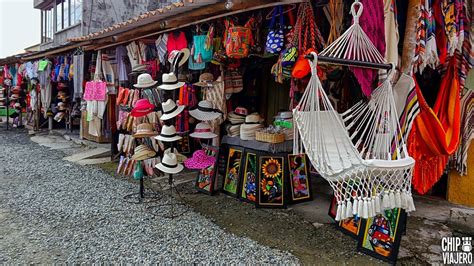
x=144 y=195
x=172 y=189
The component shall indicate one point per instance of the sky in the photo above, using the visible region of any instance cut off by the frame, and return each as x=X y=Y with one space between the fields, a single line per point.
x=19 y=26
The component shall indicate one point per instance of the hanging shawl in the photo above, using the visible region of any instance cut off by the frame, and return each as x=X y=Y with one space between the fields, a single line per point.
x=372 y=22
x=435 y=135
x=426 y=53
x=467 y=126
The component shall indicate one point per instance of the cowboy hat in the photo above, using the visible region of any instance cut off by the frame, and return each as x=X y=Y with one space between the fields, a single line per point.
x=145 y=130
x=203 y=131
x=181 y=55
x=168 y=134
x=170 y=82
x=200 y=160
x=142 y=108
x=205 y=80
x=170 y=110
x=142 y=152
x=169 y=164
x=205 y=112
x=145 y=81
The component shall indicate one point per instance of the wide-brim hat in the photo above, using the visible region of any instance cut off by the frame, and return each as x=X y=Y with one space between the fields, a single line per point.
x=168 y=134
x=182 y=54
x=205 y=80
x=180 y=157
x=142 y=152
x=203 y=131
x=145 y=81
x=170 y=110
x=139 y=68
x=286 y=115
x=145 y=130
x=205 y=112
x=200 y=160
x=142 y=108
x=170 y=82
x=234 y=130
x=169 y=164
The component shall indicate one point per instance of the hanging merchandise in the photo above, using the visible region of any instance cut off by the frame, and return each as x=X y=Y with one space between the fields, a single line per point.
x=161 y=47
x=178 y=57
x=200 y=160
x=138 y=172
x=467 y=129
x=306 y=41
x=426 y=53
x=176 y=41
x=205 y=112
x=238 y=39
x=145 y=130
x=170 y=82
x=276 y=37
x=170 y=110
x=203 y=131
x=435 y=135
x=142 y=108
x=202 y=45
x=168 y=134
x=145 y=81
x=142 y=152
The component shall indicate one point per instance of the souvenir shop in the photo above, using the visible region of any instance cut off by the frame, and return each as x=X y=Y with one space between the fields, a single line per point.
x=369 y=95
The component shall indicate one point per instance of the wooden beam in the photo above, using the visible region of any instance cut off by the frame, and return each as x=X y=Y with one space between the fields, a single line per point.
x=194 y=17
x=54 y=51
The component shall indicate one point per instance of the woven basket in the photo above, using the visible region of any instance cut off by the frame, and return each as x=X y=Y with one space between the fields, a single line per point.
x=269 y=137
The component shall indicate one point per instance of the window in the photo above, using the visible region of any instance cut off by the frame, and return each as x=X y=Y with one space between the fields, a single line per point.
x=47 y=25
x=68 y=13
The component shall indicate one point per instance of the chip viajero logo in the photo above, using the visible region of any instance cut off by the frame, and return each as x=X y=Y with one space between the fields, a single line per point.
x=457 y=250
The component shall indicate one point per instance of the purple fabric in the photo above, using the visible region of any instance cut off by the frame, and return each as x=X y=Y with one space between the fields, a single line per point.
x=372 y=22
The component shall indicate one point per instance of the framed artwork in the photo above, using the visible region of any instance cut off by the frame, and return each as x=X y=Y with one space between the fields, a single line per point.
x=271 y=188
x=351 y=226
x=232 y=172
x=248 y=190
x=183 y=144
x=381 y=235
x=299 y=177
x=206 y=177
x=332 y=212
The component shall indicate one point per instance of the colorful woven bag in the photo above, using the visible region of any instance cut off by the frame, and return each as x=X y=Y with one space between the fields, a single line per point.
x=276 y=37
x=238 y=39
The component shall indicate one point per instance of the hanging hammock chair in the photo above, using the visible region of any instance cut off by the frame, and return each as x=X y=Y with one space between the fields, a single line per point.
x=436 y=131
x=358 y=152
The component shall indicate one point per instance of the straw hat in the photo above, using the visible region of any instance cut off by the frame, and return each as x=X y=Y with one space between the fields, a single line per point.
x=205 y=80
x=168 y=134
x=142 y=152
x=181 y=157
x=286 y=115
x=181 y=55
x=142 y=108
x=170 y=110
x=205 y=112
x=169 y=164
x=145 y=130
x=203 y=131
x=138 y=68
x=233 y=130
x=200 y=160
x=237 y=116
x=145 y=81
x=170 y=82
x=252 y=124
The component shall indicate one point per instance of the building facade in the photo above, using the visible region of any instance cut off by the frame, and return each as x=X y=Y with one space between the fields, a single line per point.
x=64 y=19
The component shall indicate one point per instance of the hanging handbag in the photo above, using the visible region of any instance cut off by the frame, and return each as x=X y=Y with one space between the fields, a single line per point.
x=238 y=39
x=276 y=37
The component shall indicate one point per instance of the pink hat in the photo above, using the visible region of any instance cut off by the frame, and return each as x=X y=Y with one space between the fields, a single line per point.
x=142 y=108
x=200 y=160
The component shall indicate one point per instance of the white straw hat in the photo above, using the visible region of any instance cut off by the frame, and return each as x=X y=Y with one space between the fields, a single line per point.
x=205 y=112
x=203 y=131
x=250 y=127
x=145 y=81
x=169 y=164
x=168 y=134
x=170 y=109
x=170 y=82
x=181 y=55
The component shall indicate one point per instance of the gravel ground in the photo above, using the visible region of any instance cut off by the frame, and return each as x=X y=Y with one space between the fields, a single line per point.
x=52 y=211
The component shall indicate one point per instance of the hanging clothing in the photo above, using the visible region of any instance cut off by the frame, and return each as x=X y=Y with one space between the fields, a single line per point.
x=44 y=77
x=391 y=32
x=122 y=66
x=161 y=46
x=372 y=22
x=435 y=135
x=406 y=102
x=78 y=80
x=176 y=41
x=467 y=129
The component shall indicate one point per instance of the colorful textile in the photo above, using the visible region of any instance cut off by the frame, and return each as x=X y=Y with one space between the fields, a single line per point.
x=372 y=22
x=391 y=32
x=426 y=53
x=467 y=129
x=435 y=135
x=95 y=91
x=406 y=102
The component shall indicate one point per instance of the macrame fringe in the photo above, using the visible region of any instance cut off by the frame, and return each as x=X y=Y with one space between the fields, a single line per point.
x=365 y=210
x=355 y=207
x=343 y=211
x=386 y=201
x=377 y=204
x=369 y=208
x=360 y=207
x=338 y=212
x=349 y=209
x=398 y=199
x=392 y=200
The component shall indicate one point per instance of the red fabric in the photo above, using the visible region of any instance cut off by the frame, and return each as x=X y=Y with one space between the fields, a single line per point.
x=435 y=135
x=176 y=42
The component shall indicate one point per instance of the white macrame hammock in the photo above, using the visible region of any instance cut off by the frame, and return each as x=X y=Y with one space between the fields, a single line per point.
x=359 y=152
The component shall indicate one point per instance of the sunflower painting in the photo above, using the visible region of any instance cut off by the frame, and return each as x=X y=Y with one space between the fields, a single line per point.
x=232 y=173
x=270 y=190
